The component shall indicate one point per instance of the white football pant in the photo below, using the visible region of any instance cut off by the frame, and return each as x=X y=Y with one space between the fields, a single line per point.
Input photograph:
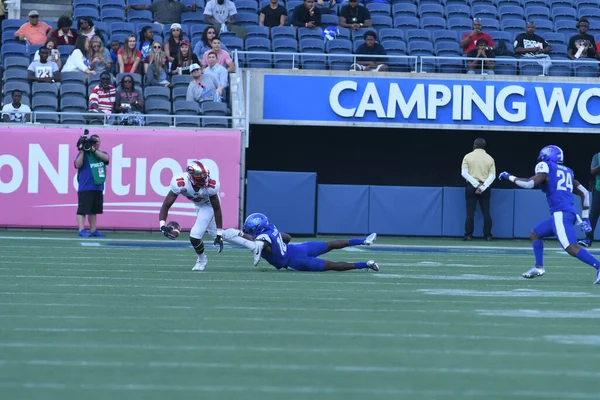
x=205 y=221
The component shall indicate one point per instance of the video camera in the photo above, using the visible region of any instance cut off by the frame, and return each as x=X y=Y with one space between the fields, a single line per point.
x=86 y=143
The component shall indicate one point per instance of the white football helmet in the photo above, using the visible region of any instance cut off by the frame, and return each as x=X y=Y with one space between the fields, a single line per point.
x=197 y=173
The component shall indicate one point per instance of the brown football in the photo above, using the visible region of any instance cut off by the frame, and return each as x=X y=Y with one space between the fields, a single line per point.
x=176 y=228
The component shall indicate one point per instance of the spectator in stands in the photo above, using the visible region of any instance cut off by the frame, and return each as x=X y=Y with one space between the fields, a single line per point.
x=181 y=64
x=203 y=88
x=370 y=48
x=85 y=27
x=77 y=60
x=43 y=70
x=54 y=53
x=483 y=51
x=99 y=56
x=129 y=56
x=129 y=100
x=64 y=35
x=204 y=45
x=470 y=39
x=273 y=14
x=306 y=15
x=214 y=68
x=102 y=97
x=582 y=44
x=173 y=41
x=145 y=42
x=223 y=57
x=221 y=14
x=530 y=45
x=156 y=67
x=16 y=111
x=353 y=16
x=114 y=56
x=165 y=11
x=34 y=31
x=479 y=170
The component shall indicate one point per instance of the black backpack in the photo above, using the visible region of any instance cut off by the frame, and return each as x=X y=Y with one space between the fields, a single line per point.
x=501 y=49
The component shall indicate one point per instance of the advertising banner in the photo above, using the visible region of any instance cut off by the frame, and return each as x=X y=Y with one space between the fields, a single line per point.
x=38 y=180
x=432 y=102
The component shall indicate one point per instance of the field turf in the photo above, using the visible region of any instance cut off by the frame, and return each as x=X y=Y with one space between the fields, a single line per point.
x=126 y=318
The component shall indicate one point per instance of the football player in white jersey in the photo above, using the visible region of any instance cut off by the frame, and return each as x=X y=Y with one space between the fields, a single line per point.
x=195 y=184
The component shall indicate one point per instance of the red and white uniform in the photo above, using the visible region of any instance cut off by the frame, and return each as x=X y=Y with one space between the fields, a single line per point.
x=205 y=221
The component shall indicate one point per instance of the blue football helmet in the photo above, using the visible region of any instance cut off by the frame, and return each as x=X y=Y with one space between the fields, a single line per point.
x=551 y=153
x=256 y=224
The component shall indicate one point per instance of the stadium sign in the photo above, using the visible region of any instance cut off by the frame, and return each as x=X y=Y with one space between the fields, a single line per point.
x=498 y=103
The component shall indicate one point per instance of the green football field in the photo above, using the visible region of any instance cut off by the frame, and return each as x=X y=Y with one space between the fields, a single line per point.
x=126 y=318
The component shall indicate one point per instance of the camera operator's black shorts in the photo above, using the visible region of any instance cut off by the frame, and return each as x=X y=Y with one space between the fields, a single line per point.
x=90 y=202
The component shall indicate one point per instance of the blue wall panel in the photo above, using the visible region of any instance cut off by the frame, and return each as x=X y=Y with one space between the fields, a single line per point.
x=343 y=209
x=287 y=198
x=395 y=210
x=501 y=208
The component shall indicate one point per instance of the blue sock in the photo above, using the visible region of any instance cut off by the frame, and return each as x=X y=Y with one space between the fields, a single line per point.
x=538 y=251
x=587 y=258
x=360 y=265
x=356 y=242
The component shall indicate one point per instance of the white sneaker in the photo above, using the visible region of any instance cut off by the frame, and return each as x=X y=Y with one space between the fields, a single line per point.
x=258 y=251
x=201 y=263
x=372 y=265
x=534 y=272
x=370 y=239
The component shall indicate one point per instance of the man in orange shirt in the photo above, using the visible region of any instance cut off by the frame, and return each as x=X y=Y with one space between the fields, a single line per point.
x=34 y=31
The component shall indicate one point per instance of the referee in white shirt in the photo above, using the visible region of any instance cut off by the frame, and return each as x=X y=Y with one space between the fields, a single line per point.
x=479 y=171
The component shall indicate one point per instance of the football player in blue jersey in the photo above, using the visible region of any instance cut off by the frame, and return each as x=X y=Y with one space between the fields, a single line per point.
x=558 y=183
x=274 y=246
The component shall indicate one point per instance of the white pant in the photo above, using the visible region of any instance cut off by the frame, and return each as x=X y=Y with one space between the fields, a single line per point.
x=205 y=221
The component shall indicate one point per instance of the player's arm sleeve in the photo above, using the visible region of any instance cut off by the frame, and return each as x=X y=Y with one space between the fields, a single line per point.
x=465 y=173
x=176 y=185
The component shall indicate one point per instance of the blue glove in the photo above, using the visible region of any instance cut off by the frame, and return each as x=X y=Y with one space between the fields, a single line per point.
x=586 y=226
x=504 y=175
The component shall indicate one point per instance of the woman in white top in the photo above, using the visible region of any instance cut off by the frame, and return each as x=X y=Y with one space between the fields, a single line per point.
x=54 y=54
x=77 y=60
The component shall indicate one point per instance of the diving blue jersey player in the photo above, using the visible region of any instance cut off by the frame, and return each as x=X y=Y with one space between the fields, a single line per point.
x=276 y=248
x=558 y=183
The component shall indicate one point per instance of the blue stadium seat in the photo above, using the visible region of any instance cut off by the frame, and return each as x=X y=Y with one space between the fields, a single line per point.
x=560 y=70
x=343 y=33
x=431 y=10
x=564 y=14
x=329 y=20
x=485 y=11
x=418 y=34
x=433 y=23
x=139 y=2
x=381 y=21
x=73 y=90
x=584 y=69
x=139 y=16
x=259 y=61
x=555 y=38
x=233 y=43
x=458 y=11
x=121 y=27
x=15 y=75
x=246 y=19
x=398 y=47
x=559 y=50
x=489 y=24
x=567 y=27
x=535 y=3
x=404 y=10
x=356 y=43
x=313 y=62
x=311 y=45
x=450 y=66
x=403 y=22
x=500 y=35
x=285 y=44
x=258 y=44
x=283 y=31
x=86 y=11
x=283 y=61
x=561 y=3
x=257 y=31
x=543 y=27
x=157 y=106
x=15 y=62
x=379 y=9
x=531 y=68
x=339 y=46
x=509 y=12
x=588 y=3
x=112 y=4
x=89 y=3
x=460 y=24
x=195 y=17
x=537 y=13
x=505 y=66
x=501 y=3
x=304 y=33
x=420 y=48
x=339 y=63
x=9 y=87
x=246 y=6
x=13 y=50
x=391 y=33
x=588 y=12
x=445 y=36
x=448 y=49
x=515 y=26
x=12 y=24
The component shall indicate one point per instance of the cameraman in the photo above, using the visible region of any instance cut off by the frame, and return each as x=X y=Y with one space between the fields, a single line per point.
x=91 y=165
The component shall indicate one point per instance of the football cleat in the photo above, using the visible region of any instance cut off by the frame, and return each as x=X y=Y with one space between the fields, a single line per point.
x=597 y=281
x=97 y=233
x=534 y=272
x=201 y=263
x=84 y=233
x=585 y=243
x=370 y=239
x=258 y=251
x=372 y=265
